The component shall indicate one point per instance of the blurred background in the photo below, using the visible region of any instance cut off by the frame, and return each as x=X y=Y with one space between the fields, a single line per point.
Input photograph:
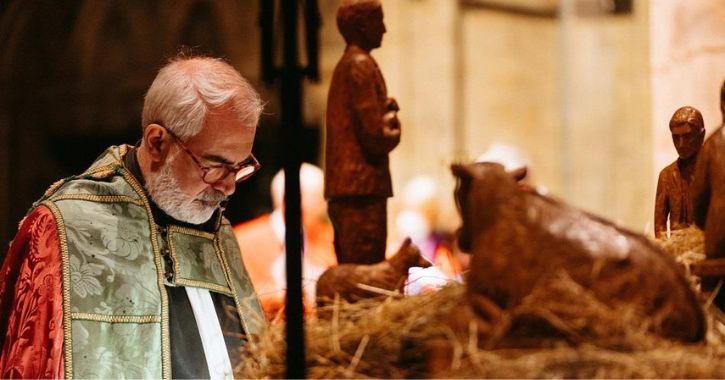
x=582 y=90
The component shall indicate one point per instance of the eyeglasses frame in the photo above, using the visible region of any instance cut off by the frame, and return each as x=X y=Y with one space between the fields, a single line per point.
x=249 y=161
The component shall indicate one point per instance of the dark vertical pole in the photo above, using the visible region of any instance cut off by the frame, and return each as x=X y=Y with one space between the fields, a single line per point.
x=266 y=24
x=312 y=38
x=291 y=138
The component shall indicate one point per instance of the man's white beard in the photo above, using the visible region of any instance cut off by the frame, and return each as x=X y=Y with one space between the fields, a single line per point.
x=166 y=193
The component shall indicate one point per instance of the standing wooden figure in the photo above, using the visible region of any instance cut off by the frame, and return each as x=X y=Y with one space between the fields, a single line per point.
x=673 y=186
x=362 y=128
x=708 y=199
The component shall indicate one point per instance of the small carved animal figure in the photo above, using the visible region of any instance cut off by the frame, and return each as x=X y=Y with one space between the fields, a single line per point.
x=344 y=279
x=518 y=237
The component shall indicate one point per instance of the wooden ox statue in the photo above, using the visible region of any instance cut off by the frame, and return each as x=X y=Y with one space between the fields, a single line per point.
x=518 y=237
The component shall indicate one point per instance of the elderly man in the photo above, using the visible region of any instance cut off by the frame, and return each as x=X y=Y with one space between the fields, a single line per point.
x=673 y=185
x=362 y=128
x=129 y=269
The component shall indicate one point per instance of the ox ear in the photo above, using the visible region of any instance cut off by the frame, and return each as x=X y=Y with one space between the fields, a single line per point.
x=463 y=172
x=519 y=173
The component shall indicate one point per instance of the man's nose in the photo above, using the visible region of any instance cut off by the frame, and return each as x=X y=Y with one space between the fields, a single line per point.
x=226 y=185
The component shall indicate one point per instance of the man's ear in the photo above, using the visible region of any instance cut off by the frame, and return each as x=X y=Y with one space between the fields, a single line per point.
x=157 y=141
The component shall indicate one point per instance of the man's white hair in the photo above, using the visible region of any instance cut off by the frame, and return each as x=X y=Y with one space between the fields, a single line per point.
x=186 y=89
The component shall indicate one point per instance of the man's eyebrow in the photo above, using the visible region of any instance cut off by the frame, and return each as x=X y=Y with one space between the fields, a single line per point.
x=222 y=160
x=217 y=158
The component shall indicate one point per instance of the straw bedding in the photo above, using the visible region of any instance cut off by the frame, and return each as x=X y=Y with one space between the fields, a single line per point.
x=560 y=331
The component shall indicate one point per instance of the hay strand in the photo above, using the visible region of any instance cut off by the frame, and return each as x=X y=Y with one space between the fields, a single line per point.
x=561 y=330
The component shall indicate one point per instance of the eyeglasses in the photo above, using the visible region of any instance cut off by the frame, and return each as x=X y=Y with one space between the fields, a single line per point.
x=215 y=173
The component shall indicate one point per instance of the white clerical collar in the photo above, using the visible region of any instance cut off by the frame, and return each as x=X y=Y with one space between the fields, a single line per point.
x=210 y=332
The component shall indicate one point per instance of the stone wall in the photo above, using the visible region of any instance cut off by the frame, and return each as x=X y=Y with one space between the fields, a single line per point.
x=567 y=86
x=688 y=66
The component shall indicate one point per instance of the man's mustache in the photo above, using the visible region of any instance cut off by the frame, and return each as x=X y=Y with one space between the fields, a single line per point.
x=213 y=196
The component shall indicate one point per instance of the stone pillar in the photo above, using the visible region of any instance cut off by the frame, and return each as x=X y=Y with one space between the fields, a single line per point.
x=606 y=151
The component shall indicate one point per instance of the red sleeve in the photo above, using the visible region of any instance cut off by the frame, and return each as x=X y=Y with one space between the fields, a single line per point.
x=31 y=301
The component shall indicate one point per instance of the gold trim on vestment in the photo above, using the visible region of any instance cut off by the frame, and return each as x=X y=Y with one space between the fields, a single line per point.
x=100 y=198
x=116 y=318
x=219 y=254
x=189 y=231
x=54 y=187
x=101 y=172
x=109 y=168
x=67 y=333
x=160 y=276
x=203 y=284
x=122 y=149
x=235 y=295
x=177 y=267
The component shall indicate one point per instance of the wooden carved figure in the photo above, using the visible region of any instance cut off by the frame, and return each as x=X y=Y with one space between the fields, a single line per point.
x=673 y=198
x=362 y=128
x=708 y=194
x=519 y=238
x=346 y=279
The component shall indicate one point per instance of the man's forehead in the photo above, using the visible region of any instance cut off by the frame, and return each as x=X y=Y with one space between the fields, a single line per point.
x=231 y=150
x=217 y=158
x=228 y=154
x=682 y=128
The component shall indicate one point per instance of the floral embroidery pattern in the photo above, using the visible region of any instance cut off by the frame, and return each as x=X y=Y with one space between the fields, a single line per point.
x=83 y=277
x=112 y=271
x=31 y=302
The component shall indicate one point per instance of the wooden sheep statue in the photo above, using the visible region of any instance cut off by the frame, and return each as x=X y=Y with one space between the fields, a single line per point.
x=390 y=275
